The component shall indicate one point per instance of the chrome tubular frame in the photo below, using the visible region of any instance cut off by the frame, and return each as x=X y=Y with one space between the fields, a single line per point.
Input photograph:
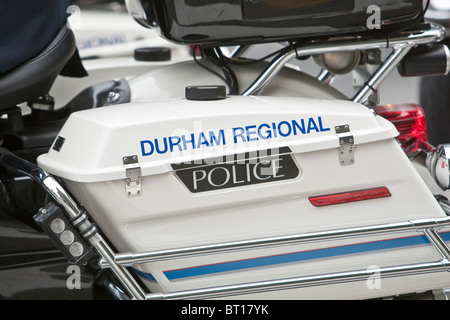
x=401 y=43
x=129 y=259
x=302 y=282
x=426 y=226
x=73 y=211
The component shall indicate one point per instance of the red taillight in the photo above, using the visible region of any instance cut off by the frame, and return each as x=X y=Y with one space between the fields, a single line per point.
x=352 y=196
x=409 y=119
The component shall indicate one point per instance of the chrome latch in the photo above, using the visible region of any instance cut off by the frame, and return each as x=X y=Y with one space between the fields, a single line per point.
x=346 y=145
x=133 y=176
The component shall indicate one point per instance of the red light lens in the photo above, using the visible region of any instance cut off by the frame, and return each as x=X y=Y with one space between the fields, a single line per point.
x=352 y=196
x=409 y=119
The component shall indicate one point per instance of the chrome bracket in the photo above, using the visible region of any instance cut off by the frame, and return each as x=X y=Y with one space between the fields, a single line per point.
x=133 y=176
x=346 y=145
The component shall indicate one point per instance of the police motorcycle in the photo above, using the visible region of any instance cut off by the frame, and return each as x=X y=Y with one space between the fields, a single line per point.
x=172 y=185
x=112 y=46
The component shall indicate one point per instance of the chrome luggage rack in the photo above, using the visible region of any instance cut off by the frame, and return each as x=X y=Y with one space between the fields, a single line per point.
x=426 y=226
x=401 y=44
x=118 y=262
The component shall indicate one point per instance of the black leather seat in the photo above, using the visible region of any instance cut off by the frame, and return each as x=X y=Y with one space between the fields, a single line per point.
x=35 y=77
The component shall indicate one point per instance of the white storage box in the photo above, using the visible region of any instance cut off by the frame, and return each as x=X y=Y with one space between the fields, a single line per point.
x=145 y=173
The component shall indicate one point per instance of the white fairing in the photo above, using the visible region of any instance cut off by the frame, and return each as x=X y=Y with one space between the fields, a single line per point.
x=167 y=214
x=170 y=81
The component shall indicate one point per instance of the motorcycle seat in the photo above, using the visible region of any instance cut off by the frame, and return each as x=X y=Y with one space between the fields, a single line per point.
x=35 y=77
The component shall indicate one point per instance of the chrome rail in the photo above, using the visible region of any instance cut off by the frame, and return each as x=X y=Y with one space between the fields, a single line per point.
x=302 y=282
x=438 y=243
x=426 y=226
x=400 y=42
x=129 y=259
x=62 y=197
x=378 y=77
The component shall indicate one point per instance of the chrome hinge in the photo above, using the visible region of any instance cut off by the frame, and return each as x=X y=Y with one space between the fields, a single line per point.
x=133 y=176
x=346 y=145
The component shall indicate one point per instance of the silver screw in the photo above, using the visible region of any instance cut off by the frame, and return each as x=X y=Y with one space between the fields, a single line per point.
x=113 y=97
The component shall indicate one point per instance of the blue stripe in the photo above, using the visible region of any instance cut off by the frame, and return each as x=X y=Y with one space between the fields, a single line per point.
x=146 y=276
x=295 y=257
x=299 y=256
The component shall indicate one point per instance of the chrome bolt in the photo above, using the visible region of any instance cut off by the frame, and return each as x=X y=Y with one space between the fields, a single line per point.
x=113 y=97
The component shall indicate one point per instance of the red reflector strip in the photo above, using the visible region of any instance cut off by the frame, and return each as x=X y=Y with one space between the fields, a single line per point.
x=351 y=196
